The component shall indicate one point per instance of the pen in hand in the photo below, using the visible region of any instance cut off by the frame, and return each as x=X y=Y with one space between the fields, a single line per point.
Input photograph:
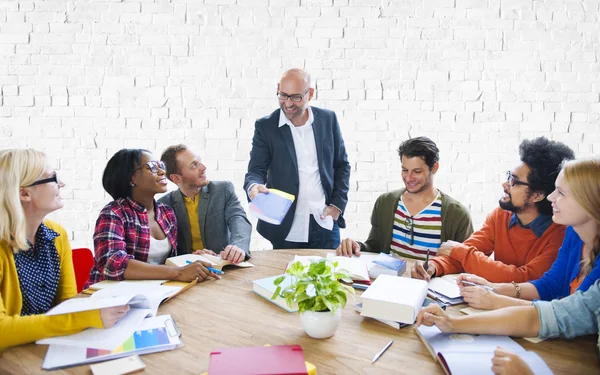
x=469 y=283
x=382 y=351
x=426 y=265
x=213 y=270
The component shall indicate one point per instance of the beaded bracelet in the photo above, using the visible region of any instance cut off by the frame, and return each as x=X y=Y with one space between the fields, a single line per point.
x=518 y=288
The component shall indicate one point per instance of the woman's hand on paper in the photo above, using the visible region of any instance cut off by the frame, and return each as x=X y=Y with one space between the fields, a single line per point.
x=233 y=254
x=111 y=315
x=480 y=298
x=472 y=279
x=435 y=315
x=195 y=271
x=508 y=363
x=255 y=189
x=347 y=248
x=418 y=271
x=205 y=251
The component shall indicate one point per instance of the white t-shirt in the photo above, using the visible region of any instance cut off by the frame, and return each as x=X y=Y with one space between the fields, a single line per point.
x=159 y=250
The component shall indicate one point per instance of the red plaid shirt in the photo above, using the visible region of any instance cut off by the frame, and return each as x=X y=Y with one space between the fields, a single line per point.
x=122 y=233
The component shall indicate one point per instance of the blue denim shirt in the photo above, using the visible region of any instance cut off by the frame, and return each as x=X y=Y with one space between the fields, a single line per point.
x=572 y=316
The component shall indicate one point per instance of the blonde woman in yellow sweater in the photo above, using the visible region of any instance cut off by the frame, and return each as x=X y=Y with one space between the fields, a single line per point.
x=36 y=268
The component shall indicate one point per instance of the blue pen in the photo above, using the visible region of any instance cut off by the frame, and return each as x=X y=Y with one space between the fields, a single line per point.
x=213 y=270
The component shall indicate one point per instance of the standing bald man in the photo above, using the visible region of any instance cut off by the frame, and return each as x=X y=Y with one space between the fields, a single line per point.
x=299 y=149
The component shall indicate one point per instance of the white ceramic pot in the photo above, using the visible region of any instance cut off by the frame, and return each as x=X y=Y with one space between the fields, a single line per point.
x=322 y=324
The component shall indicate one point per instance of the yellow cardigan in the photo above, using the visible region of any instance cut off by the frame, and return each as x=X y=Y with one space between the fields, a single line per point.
x=16 y=329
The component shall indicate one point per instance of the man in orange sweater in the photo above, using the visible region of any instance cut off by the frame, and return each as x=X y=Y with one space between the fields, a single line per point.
x=520 y=232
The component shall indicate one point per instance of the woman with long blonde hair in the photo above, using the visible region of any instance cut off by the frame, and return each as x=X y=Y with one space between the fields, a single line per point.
x=36 y=267
x=575 y=202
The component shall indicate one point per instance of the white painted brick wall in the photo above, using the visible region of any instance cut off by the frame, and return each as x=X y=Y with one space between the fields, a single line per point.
x=82 y=79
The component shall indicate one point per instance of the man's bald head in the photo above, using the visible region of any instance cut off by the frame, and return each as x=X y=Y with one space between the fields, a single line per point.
x=297 y=74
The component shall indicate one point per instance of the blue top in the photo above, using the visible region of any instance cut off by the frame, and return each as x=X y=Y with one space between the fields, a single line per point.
x=39 y=272
x=537 y=226
x=556 y=281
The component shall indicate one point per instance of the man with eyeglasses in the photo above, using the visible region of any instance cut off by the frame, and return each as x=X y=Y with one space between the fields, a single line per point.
x=414 y=221
x=299 y=149
x=520 y=232
x=210 y=218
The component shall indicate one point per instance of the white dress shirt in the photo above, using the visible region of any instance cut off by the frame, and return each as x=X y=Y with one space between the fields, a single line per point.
x=311 y=196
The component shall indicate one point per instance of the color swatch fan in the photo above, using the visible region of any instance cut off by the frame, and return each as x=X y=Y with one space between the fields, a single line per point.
x=155 y=334
x=271 y=207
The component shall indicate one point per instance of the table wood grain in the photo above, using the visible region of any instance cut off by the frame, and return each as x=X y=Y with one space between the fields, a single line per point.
x=226 y=313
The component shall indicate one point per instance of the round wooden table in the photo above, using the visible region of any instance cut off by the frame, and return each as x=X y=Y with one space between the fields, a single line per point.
x=226 y=313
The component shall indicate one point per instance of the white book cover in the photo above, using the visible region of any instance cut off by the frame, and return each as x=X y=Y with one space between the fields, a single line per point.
x=394 y=298
x=265 y=288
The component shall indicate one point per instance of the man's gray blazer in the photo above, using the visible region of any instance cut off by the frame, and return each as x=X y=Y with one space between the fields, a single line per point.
x=222 y=219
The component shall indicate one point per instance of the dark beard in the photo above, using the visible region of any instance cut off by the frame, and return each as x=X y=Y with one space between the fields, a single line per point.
x=509 y=206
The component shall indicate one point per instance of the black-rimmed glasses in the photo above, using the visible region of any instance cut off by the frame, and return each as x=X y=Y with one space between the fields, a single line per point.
x=53 y=178
x=294 y=97
x=512 y=181
x=153 y=166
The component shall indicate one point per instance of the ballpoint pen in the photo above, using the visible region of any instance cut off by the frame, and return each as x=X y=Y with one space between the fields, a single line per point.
x=382 y=351
x=469 y=283
x=213 y=270
x=426 y=265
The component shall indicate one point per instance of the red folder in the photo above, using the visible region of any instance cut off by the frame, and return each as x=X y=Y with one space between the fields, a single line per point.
x=263 y=360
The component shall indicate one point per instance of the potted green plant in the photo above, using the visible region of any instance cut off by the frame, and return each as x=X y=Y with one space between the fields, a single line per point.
x=319 y=294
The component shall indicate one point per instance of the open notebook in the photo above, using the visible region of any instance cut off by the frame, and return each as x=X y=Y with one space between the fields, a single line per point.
x=459 y=353
x=462 y=353
x=216 y=261
x=146 y=296
x=143 y=300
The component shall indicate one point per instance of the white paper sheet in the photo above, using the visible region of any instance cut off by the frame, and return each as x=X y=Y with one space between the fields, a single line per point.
x=100 y=338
